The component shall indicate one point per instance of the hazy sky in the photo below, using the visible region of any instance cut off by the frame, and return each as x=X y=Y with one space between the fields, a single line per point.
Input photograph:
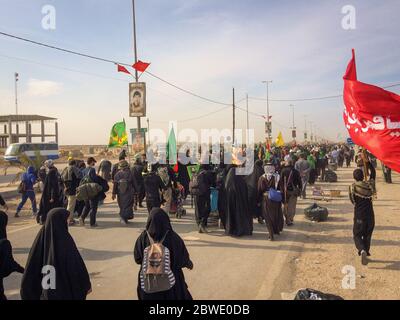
x=205 y=46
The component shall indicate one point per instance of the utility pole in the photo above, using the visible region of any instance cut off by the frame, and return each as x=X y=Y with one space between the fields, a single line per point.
x=293 y=124
x=233 y=116
x=247 y=111
x=305 y=128
x=267 y=82
x=136 y=59
x=16 y=93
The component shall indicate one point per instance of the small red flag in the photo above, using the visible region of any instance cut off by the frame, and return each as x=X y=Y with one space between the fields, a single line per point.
x=141 y=66
x=176 y=168
x=122 y=69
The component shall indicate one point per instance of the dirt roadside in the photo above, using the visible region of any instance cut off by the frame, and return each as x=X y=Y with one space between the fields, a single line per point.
x=328 y=247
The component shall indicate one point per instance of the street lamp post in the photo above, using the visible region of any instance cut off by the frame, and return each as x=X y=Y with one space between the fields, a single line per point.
x=267 y=82
x=293 y=124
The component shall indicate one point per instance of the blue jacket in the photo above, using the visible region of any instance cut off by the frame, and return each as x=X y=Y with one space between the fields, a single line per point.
x=29 y=178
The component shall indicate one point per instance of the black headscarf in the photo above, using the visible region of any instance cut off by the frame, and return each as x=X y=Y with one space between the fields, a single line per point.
x=158 y=224
x=7 y=262
x=55 y=247
x=3 y=225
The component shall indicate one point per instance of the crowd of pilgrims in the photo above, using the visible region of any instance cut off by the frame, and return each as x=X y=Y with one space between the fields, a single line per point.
x=268 y=195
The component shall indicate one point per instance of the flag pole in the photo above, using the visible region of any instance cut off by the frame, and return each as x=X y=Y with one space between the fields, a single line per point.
x=127 y=143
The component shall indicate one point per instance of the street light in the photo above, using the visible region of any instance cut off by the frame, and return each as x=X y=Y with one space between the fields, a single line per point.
x=293 y=125
x=267 y=82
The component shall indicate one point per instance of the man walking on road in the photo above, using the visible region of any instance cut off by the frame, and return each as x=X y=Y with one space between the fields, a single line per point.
x=361 y=193
x=71 y=177
x=27 y=181
x=303 y=167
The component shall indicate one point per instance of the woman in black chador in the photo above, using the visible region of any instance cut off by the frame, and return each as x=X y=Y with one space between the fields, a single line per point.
x=238 y=219
x=159 y=227
x=51 y=196
x=252 y=188
x=7 y=263
x=271 y=210
x=55 y=248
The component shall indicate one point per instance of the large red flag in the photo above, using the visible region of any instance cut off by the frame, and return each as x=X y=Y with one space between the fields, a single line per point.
x=141 y=66
x=372 y=117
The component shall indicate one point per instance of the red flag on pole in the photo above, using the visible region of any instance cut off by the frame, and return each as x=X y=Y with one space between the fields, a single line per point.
x=141 y=66
x=122 y=69
x=372 y=117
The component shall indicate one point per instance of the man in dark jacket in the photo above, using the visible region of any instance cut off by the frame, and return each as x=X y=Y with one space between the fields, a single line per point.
x=361 y=194
x=291 y=190
x=71 y=177
x=153 y=186
x=91 y=205
x=201 y=192
x=28 y=179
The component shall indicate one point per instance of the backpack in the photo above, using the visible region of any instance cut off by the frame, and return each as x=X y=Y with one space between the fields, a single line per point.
x=311 y=294
x=88 y=191
x=21 y=187
x=196 y=187
x=86 y=179
x=316 y=213
x=163 y=173
x=330 y=176
x=156 y=274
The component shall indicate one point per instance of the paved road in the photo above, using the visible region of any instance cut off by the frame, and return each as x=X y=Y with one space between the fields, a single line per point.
x=225 y=267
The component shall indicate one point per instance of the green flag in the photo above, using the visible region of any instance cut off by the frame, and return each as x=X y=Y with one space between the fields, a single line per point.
x=194 y=168
x=171 y=147
x=118 y=136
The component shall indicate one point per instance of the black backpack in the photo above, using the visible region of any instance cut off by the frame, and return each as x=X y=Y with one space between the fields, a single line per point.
x=197 y=186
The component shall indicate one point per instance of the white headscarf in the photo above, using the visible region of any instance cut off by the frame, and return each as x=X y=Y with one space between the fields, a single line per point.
x=269 y=170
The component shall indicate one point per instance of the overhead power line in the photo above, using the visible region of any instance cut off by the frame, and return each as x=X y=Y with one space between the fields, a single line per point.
x=110 y=61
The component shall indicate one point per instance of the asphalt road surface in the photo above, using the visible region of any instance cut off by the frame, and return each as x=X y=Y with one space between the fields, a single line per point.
x=224 y=267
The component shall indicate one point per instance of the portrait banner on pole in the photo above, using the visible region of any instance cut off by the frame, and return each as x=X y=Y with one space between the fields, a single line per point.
x=137 y=99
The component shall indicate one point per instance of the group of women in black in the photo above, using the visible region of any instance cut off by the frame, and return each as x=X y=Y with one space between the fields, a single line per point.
x=55 y=269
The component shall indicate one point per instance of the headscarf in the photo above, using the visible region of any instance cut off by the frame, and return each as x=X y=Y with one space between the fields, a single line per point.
x=269 y=170
x=55 y=247
x=3 y=225
x=49 y=163
x=123 y=164
x=158 y=224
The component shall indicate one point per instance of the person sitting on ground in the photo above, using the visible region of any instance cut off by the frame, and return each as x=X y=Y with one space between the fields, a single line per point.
x=159 y=230
x=55 y=250
x=361 y=194
x=7 y=263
